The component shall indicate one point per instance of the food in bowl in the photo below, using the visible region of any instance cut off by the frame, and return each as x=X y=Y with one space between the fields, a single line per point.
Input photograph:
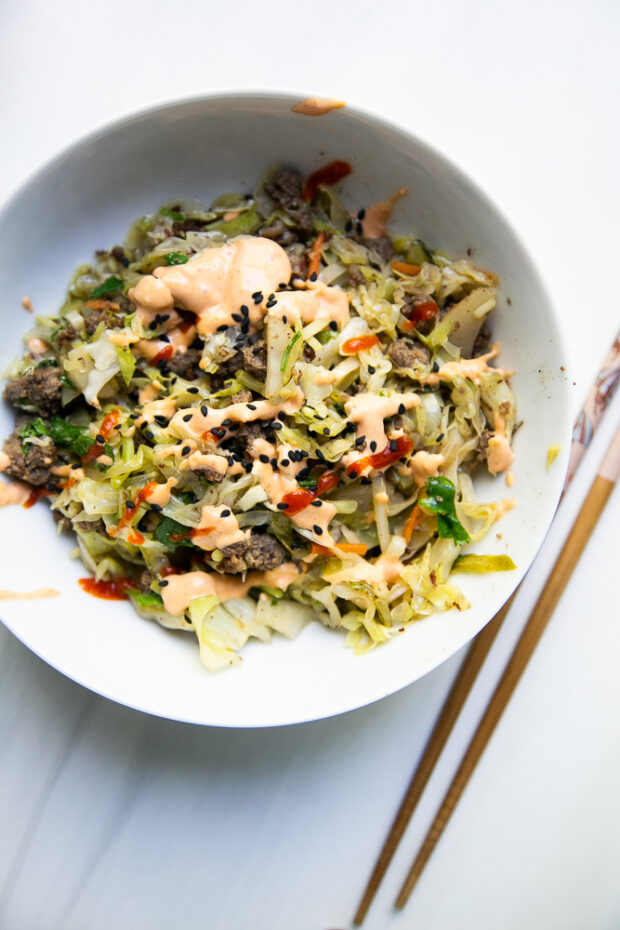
x=266 y=412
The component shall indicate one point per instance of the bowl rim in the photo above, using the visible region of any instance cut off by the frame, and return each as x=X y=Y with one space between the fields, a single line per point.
x=133 y=116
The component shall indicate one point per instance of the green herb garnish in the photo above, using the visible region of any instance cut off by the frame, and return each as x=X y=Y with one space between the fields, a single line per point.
x=439 y=500
x=176 y=258
x=62 y=432
x=110 y=284
x=146 y=599
x=173 y=214
x=172 y=534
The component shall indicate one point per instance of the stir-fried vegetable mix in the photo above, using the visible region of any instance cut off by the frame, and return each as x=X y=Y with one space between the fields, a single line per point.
x=267 y=411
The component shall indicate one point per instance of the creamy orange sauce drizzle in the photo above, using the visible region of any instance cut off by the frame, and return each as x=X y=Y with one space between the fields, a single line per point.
x=148 y=393
x=165 y=407
x=316 y=302
x=317 y=106
x=503 y=506
x=161 y=494
x=236 y=413
x=368 y=412
x=499 y=456
x=197 y=460
x=223 y=530
x=378 y=214
x=217 y=282
x=5 y=461
x=14 y=492
x=423 y=464
x=37 y=345
x=278 y=483
x=28 y=595
x=472 y=368
x=510 y=479
x=181 y=589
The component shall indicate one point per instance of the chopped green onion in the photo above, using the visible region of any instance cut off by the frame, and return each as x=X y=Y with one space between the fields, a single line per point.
x=439 y=500
x=176 y=258
x=110 y=284
x=287 y=351
x=173 y=214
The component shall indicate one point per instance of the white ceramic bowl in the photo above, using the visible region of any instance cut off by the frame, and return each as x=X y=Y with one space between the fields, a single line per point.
x=86 y=199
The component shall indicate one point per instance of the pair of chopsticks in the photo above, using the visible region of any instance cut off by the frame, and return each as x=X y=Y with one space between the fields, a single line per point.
x=587 y=423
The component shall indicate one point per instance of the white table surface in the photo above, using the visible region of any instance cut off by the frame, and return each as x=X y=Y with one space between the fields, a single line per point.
x=111 y=820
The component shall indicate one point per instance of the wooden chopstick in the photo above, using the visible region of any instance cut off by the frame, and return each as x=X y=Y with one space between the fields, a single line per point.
x=598 y=399
x=567 y=560
x=472 y=663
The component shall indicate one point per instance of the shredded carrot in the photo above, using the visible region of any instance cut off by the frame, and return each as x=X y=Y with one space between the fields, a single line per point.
x=357 y=548
x=415 y=517
x=101 y=305
x=405 y=268
x=315 y=255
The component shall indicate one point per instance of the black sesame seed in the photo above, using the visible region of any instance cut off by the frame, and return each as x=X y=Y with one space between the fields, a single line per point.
x=333 y=326
x=192 y=390
x=361 y=213
x=320 y=455
x=365 y=480
x=317 y=529
x=251 y=406
x=359 y=228
x=220 y=433
x=274 y=462
x=157 y=507
x=130 y=505
x=247 y=466
x=153 y=324
x=401 y=408
x=244 y=310
x=118 y=426
x=162 y=317
x=285 y=463
x=162 y=584
x=435 y=366
x=99 y=438
x=313 y=276
x=271 y=303
x=164 y=337
x=275 y=425
x=317 y=503
x=148 y=435
x=187 y=417
x=230 y=459
x=348 y=226
x=371 y=369
x=222 y=328
x=257 y=297
x=185 y=450
x=393 y=445
x=204 y=410
x=234 y=427
x=440 y=437
x=225 y=513
x=282 y=416
x=226 y=422
x=237 y=317
x=263 y=458
x=285 y=319
x=326 y=430
x=360 y=441
x=353 y=474
x=282 y=506
x=75 y=466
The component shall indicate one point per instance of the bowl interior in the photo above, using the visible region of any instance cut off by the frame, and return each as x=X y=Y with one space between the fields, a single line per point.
x=86 y=199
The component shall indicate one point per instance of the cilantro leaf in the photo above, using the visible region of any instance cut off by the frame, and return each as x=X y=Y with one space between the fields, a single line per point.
x=439 y=500
x=110 y=284
x=68 y=434
x=172 y=534
x=34 y=428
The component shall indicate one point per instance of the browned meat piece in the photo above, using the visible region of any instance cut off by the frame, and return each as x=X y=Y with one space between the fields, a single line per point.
x=146 y=579
x=355 y=276
x=108 y=312
x=279 y=232
x=118 y=252
x=261 y=551
x=65 y=336
x=34 y=464
x=179 y=227
x=479 y=456
x=286 y=191
x=241 y=397
x=482 y=342
x=405 y=354
x=186 y=364
x=382 y=247
x=247 y=433
x=255 y=360
x=40 y=391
